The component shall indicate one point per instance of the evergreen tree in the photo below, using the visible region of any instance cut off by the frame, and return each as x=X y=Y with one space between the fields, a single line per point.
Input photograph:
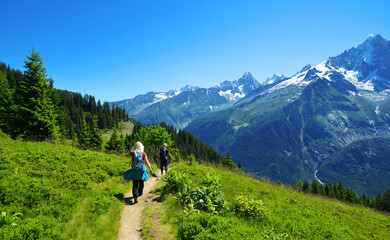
x=113 y=142
x=386 y=201
x=121 y=144
x=299 y=185
x=35 y=116
x=5 y=104
x=95 y=135
x=240 y=166
x=228 y=161
x=83 y=135
x=314 y=187
x=305 y=187
x=329 y=190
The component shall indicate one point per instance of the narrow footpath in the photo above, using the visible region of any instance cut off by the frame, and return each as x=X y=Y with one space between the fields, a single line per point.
x=130 y=228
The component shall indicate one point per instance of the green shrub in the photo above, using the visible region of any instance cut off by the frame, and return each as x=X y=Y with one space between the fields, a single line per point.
x=203 y=198
x=174 y=182
x=254 y=209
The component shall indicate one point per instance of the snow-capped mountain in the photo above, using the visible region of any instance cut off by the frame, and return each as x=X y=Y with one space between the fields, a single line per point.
x=274 y=79
x=330 y=122
x=366 y=66
x=140 y=102
x=235 y=90
x=181 y=107
x=188 y=88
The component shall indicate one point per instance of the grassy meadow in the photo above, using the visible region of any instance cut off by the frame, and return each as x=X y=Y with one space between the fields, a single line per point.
x=54 y=191
x=285 y=213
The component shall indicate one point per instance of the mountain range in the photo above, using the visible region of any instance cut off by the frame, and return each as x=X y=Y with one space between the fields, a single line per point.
x=328 y=122
x=179 y=108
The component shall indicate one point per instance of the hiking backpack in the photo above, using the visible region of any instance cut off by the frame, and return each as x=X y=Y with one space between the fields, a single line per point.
x=137 y=161
x=163 y=154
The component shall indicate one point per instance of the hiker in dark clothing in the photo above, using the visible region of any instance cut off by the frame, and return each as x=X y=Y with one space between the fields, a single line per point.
x=164 y=153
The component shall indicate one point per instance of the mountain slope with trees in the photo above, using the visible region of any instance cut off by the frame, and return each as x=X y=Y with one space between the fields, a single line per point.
x=287 y=130
x=32 y=108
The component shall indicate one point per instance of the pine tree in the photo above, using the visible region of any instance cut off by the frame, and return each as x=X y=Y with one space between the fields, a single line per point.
x=112 y=143
x=386 y=202
x=305 y=187
x=83 y=135
x=314 y=187
x=5 y=104
x=240 y=165
x=121 y=144
x=299 y=185
x=95 y=135
x=35 y=116
x=228 y=161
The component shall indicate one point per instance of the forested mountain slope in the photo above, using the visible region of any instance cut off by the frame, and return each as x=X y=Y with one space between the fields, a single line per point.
x=288 y=129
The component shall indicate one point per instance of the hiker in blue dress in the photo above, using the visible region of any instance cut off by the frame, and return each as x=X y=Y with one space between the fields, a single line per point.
x=138 y=172
x=164 y=153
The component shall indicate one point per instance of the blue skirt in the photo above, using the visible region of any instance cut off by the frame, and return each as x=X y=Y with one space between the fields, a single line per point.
x=133 y=174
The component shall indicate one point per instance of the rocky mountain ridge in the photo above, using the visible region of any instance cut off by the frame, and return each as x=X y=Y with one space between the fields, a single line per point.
x=181 y=107
x=288 y=129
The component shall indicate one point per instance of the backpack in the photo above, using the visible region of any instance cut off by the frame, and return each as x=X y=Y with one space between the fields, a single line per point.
x=163 y=154
x=137 y=163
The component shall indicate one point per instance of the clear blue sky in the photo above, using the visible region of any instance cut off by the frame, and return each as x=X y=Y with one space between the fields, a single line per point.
x=116 y=50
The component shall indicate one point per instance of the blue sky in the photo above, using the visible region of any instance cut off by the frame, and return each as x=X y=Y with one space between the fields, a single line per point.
x=116 y=50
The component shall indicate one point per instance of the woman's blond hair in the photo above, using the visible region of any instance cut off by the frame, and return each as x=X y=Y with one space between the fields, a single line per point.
x=138 y=147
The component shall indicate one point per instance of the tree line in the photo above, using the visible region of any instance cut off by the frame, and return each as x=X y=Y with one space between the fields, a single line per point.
x=337 y=191
x=31 y=108
x=181 y=143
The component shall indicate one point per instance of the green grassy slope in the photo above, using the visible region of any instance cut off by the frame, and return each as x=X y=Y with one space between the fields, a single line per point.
x=61 y=192
x=290 y=214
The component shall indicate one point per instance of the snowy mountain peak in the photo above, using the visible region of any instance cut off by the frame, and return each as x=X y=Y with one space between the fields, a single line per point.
x=366 y=67
x=373 y=38
x=305 y=68
x=247 y=75
x=234 y=90
x=188 y=88
x=275 y=78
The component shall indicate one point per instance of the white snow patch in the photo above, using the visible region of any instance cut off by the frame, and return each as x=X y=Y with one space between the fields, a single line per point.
x=295 y=80
x=352 y=76
x=377 y=110
x=368 y=37
x=231 y=96
x=188 y=102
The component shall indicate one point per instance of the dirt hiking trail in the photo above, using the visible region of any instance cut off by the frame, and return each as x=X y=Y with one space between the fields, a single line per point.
x=131 y=217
